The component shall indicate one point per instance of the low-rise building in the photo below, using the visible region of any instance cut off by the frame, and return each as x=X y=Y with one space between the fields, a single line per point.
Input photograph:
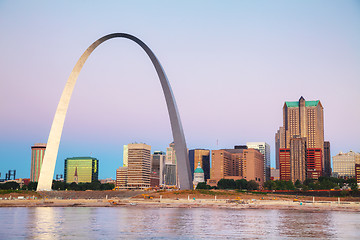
x=274 y=174
x=199 y=175
x=344 y=164
x=236 y=164
x=81 y=170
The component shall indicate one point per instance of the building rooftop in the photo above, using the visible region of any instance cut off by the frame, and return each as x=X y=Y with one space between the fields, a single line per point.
x=199 y=169
x=307 y=103
x=81 y=158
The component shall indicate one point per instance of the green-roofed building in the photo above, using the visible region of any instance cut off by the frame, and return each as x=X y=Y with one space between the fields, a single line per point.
x=81 y=170
x=198 y=175
x=302 y=119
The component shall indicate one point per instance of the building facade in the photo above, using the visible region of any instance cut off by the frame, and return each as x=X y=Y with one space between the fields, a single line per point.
x=198 y=175
x=236 y=164
x=298 y=162
x=170 y=154
x=202 y=157
x=158 y=166
x=81 y=170
x=284 y=164
x=314 y=163
x=121 y=177
x=302 y=119
x=344 y=164
x=280 y=134
x=357 y=174
x=37 y=156
x=139 y=166
x=274 y=174
x=327 y=159
x=170 y=174
x=263 y=148
x=125 y=156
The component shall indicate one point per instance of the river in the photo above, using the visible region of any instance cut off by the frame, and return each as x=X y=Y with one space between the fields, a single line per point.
x=174 y=223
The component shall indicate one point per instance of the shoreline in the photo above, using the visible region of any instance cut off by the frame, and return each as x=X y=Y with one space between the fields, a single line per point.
x=185 y=203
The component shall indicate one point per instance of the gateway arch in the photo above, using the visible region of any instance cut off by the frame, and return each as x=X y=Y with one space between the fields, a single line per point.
x=48 y=165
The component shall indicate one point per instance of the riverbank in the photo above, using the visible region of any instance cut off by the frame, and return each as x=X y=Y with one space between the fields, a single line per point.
x=185 y=203
x=183 y=199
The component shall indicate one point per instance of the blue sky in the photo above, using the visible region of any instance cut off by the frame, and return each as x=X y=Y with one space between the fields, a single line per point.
x=231 y=64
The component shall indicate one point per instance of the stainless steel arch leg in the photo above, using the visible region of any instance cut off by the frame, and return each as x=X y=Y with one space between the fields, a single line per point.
x=49 y=161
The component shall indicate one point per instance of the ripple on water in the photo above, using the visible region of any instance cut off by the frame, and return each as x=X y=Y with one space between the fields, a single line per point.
x=175 y=223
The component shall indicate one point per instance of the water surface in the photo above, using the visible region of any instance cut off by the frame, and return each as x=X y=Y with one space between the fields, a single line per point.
x=175 y=223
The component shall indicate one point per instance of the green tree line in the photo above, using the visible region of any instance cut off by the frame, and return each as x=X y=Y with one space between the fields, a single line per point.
x=323 y=183
x=241 y=184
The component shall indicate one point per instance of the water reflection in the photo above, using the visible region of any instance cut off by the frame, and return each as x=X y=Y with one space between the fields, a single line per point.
x=44 y=223
x=301 y=224
x=174 y=223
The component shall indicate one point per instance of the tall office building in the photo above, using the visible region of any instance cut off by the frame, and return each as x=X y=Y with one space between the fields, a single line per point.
x=327 y=159
x=284 y=164
x=202 y=157
x=158 y=165
x=298 y=165
x=37 y=155
x=170 y=174
x=81 y=169
x=302 y=119
x=280 y=134
x=125 y=156
x=139 y=165
x=264 y=148
x=236 y=164
x=170 y=154
x=344 y=164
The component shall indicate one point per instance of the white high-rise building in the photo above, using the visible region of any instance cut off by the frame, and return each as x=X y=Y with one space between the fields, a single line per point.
x=170 y=154
x=125 y=156
x=264 y=148
x=344 y=164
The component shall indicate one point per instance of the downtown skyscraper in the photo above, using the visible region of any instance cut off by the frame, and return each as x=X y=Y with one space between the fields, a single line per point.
x=37 y=155
x=136 y=170
x=302 y=135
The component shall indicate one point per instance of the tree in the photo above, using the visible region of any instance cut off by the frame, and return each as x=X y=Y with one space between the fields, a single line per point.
x=202 y=185
x=11 y=185
x=226 y=184
x=32 y=186
x=252 y=185
x=352 y=183
x=270 y=185
x=58 y=185
x=96 y=185
x=289 y=185
x=241 y=184
x=107 y=186
x=73 y=186
x=298 y=184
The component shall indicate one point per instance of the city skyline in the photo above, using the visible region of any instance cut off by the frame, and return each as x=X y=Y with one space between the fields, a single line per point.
x=248 y=55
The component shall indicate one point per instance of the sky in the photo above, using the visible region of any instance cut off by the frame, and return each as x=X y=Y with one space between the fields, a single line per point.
x=231 y=65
